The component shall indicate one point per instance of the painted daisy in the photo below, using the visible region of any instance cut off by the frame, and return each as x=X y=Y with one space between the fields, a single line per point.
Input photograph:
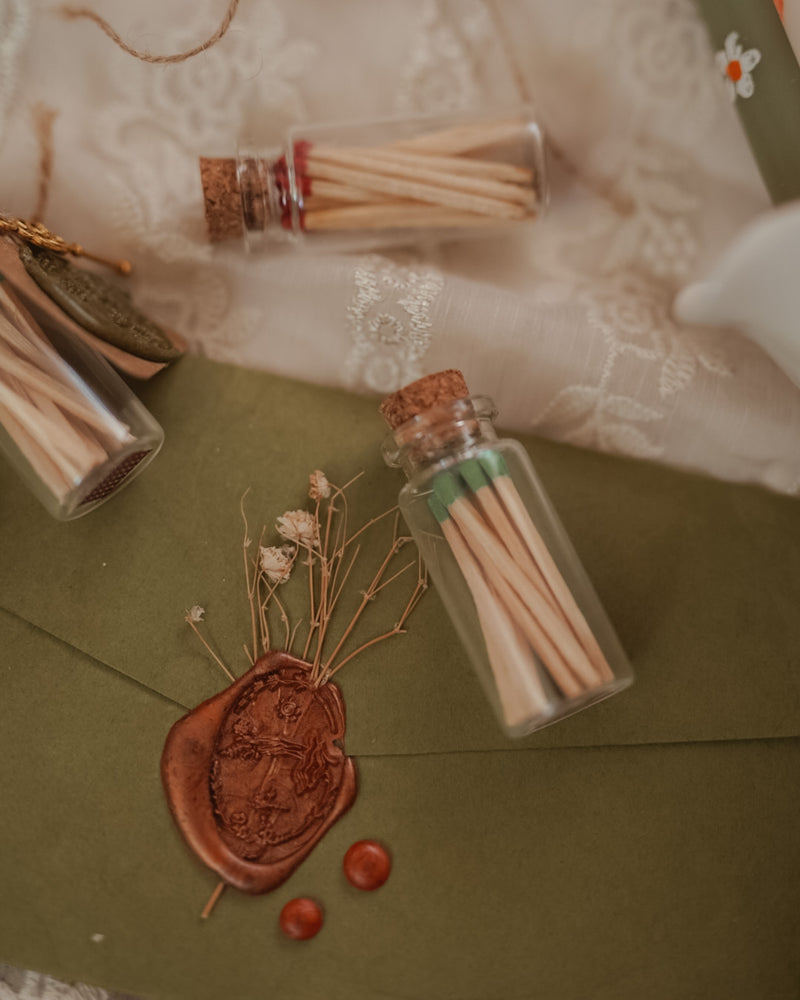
x=737 y=66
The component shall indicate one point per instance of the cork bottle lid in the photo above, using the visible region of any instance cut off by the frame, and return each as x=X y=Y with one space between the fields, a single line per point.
x=426 y=392
x=222 y=198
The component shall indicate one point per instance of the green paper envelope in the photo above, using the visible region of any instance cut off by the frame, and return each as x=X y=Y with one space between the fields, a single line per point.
x=644 y=848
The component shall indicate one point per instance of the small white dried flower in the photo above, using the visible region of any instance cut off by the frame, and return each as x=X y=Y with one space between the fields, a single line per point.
x=276 y=562
x=319 y=487
x=298 y=526
x=195 y=614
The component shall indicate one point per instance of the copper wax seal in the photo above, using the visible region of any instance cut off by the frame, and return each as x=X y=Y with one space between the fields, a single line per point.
x=256 y=775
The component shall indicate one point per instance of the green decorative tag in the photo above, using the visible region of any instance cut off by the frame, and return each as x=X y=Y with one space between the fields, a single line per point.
x=97 y=304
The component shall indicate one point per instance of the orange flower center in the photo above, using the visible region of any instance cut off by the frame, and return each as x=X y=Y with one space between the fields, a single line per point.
x=735 y=70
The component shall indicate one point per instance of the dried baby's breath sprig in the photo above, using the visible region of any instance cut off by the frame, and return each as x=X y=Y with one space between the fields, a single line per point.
x=277 y=562
x=318 y=486
x=193 y=616
x=299 y=526
x=329 y=549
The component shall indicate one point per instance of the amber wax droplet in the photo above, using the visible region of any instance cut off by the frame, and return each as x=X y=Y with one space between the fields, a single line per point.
x=301 y=919
x=367 y=865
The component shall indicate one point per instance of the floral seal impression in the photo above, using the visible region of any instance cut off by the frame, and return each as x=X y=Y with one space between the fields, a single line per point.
x=256 y=775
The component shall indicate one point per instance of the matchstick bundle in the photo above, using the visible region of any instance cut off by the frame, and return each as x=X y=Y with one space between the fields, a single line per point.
x=431 y=181
x=77 y=449
x=475 y=175
x=527 y=612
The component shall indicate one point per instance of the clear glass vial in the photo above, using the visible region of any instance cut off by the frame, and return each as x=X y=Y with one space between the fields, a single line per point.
x=381 y=182
x=501 y=561
x=68 y=423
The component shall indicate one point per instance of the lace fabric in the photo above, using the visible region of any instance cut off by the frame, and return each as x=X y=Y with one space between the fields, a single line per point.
x=16 y=984
x=14 y=23
x=568 y=325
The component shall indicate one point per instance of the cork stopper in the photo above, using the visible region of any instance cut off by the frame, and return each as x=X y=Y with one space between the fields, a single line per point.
x=426 y=392
x=223 y=202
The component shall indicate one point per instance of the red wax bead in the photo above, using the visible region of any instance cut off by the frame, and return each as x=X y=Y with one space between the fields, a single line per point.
x=367 y=865
x=301 y=919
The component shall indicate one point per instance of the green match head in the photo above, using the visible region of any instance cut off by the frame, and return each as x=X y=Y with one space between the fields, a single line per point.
x=472 y=473
x=438 y=509
x=447 y=487
x=493 y=464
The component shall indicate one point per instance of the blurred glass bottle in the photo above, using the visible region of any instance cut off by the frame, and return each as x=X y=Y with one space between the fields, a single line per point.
x=506 y=571
x=381 y=182
x=68 y=423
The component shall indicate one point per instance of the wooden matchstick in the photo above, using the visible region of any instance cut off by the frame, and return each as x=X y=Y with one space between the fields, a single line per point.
x=336 y=193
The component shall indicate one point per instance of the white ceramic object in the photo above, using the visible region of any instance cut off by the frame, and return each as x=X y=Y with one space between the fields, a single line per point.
x=755 y=287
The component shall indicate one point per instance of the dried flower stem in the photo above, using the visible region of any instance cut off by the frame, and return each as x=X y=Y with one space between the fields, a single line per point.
x=399 y=628
x=212 y=902
x=368 y=524
x=344 y=579
x=214 y=656
x=292 y=636
x=369 y=593
x=284 y=619
x=251 y=585
x=331 y=557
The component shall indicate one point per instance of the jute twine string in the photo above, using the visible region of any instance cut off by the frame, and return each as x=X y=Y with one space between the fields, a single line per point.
x=74 y=13
x=43 y=118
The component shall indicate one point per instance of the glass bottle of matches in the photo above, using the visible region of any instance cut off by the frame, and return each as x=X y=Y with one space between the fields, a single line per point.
x=72 y=428
x=502 y=563
x=381 y=182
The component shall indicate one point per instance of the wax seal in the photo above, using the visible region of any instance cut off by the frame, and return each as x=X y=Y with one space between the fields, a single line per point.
x=367 y=865
x=97 y=304
x=301 y=919
x=256 y=775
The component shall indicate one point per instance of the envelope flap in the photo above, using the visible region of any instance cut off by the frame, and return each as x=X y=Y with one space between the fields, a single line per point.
x=699 y=577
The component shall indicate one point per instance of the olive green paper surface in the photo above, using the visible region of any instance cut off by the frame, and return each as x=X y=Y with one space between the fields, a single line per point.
x=658 y=872
x=647 y=847
x=700 y=578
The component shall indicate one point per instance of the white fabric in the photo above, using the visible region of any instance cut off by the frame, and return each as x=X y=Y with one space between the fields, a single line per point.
x=567 y=325
x=16 y=984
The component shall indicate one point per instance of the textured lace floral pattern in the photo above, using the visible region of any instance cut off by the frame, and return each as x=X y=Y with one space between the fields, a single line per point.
x=440 y=71
x=14 y=26
x=627 y=254
x=18 y=985
x=390 y=321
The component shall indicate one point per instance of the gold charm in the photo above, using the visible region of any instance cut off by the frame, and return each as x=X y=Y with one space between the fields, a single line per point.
x=40 y=236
